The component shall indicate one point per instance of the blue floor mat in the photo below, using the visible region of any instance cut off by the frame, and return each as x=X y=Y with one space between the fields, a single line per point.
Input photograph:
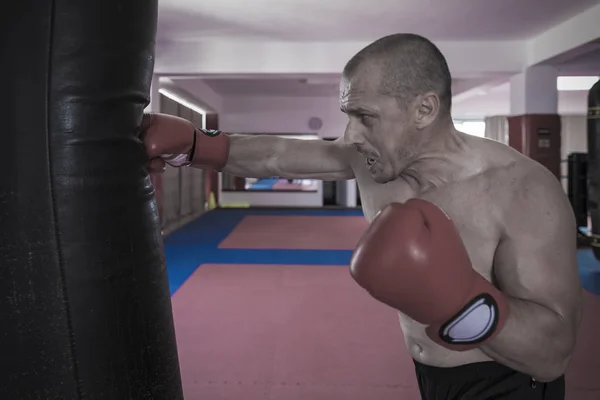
x=589 y=271
x=264 y=184
x=197 y=243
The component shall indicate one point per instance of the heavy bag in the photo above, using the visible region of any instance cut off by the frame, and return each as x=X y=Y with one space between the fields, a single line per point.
x=577 y=186
x=84 y=297
x=593 y=167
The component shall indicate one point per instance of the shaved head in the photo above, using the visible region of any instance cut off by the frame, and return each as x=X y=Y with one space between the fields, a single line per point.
x=410 y=65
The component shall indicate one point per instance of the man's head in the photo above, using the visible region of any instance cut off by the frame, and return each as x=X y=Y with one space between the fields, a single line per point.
x=394 y=91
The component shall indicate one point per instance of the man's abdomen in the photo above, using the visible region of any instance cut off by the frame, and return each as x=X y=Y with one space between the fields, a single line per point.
x=425 y=351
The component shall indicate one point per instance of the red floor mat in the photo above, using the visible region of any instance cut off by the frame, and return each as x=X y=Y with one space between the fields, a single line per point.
x=309 y=332
x=287 y=332
x=296 y=232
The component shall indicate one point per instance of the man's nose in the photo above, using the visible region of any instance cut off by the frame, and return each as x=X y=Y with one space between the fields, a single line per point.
x=352 y=137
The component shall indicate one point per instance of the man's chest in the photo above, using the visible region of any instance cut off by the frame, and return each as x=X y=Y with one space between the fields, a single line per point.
x=470 y=205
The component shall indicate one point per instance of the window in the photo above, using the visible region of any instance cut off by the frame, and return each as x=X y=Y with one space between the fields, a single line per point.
x=574 y=83
x=475 y=128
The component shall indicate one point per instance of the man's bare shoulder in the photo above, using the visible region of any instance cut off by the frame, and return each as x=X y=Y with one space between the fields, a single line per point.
x=535 y=195
x=521 y=188
x=511 y=169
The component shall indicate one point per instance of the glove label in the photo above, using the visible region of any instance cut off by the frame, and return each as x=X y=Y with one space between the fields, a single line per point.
x=176 y=160
x=474 y=323
x=210 y=132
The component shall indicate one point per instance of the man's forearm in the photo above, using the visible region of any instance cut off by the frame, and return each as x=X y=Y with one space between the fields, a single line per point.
x=253 y=156
x=263 y=156
x=535 y=340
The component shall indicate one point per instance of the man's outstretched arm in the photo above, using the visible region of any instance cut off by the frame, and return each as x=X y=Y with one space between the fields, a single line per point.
x=258 y=156
x=176 y=141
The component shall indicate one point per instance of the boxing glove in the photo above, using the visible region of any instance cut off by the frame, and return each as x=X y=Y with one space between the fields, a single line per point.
x=412 y=258
x=177 y=142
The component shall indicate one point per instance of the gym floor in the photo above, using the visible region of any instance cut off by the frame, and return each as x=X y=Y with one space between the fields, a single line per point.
x=264 y=308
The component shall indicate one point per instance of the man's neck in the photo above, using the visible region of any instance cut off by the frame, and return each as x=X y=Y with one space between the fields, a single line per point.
x=443 y=158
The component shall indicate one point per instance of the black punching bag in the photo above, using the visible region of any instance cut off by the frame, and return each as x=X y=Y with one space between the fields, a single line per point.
x=593 y=130
x=84 y=297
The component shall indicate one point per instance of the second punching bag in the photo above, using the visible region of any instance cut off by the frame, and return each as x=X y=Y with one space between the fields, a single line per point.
x=593 y=131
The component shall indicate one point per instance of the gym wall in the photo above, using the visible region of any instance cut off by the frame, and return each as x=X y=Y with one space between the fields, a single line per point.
x=270 y=114
x=282 y=115
x=497 y=102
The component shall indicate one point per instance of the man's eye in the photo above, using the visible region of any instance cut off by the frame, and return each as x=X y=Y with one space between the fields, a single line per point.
x=364 y=119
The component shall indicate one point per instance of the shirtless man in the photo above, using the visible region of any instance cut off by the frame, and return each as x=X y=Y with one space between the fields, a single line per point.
x=506 y=224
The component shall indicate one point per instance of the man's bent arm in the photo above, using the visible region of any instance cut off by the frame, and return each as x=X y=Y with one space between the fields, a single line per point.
x=262 y=156
x=536 y=268
x=534 y=340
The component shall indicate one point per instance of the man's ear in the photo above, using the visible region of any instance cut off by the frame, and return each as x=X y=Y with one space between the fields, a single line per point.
x=427 y=110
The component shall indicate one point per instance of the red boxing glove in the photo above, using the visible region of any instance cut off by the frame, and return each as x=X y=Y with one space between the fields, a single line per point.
x=177 y=142
x=412 y=258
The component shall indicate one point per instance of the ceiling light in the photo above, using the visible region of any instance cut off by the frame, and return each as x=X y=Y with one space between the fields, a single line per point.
x=301 y=137
x=182 y=101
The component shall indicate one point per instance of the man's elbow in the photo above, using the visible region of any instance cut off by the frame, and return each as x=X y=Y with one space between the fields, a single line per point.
x=551 y=371
x=557 y=361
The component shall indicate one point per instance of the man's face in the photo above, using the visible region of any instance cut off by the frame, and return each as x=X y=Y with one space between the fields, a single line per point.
x=380 y=130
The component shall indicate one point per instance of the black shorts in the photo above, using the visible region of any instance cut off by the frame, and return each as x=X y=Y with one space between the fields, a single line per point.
x=484 y=380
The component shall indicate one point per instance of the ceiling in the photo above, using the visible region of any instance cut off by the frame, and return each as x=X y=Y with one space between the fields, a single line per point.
x=273 y=87
x=584 y=60
x=335 y=20
x=496 y=101
x=309 y=86
x=450 y=21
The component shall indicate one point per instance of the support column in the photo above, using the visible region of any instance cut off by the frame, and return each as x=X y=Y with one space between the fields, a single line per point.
x=534 y=127
x=154 y=107
x=351 y=193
